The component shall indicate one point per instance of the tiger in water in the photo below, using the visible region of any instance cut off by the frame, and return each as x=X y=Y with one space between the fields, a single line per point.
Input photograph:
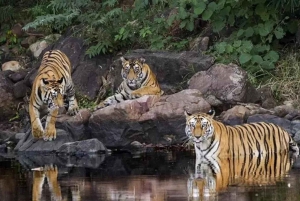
x=213 y=138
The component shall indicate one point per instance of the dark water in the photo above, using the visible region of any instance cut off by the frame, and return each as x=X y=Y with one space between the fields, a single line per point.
x=161 y=175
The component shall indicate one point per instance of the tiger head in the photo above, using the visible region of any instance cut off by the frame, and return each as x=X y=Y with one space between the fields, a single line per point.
x=52 y=92
x=199 y=127
x=133 y=72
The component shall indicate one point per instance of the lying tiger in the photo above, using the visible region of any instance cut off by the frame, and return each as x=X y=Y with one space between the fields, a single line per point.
x=213 y=174
x=52 y=86
x=213 y=138
x=138 y=80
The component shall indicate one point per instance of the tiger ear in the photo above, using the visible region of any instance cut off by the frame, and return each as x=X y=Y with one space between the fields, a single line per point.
x=212 y=113
x=45 y=81
x=61 y=80
x=142 y=60
x=187 y=114
x=123 y=59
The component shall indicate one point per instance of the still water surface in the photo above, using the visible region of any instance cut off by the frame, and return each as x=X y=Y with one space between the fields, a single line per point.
x=163 y=175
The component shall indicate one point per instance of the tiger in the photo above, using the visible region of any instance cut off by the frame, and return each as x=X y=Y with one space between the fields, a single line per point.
x=52 y=87
x=213 y=175
x=50 y=173
x=138 y=80
x=213 y=138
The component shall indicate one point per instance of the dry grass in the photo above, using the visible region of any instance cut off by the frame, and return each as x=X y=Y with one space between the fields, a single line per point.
x=285 y=83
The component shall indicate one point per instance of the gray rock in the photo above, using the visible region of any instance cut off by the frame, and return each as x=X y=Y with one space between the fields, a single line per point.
x=227 y=83
x=284 y=123
x=82 y=147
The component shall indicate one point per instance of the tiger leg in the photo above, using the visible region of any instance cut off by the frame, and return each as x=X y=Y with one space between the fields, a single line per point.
x=73 y=106
x=50 y=130
x=51 y=175
x=37 y=186
x=112 y=100
x=36 y=125
x=146 y=90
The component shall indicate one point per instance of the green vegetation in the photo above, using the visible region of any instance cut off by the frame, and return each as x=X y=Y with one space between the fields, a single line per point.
x=250 y=33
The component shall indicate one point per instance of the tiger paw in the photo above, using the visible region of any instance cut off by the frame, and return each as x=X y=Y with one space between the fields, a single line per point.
x=135 y=95
x=100 y=106
x=73 y=110
x=37 y=131
x=50 y=134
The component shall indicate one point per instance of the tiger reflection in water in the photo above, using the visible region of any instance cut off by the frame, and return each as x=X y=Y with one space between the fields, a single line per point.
x=50 y=173
x=213 y=175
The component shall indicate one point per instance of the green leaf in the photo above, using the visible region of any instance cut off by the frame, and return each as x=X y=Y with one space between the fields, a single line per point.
x=237 y=43
x=279 y=33
x=272 y=56
x=292 y=26
x=244 y=57
x=190 y=25
x=264 y=29
x=212 y=6
x=220 y=47
x=229 y=49
x=267 y=65
x=182 y=13
x=246 y=46
x=256 y=59
x=249 y=32
x=218 y=25
x=262 y=11
x=200 y=8
x=240 y=32
x=207 y=14
x=183 y=24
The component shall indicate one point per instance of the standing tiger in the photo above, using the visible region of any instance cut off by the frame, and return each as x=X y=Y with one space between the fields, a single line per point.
x=138 y=80
x=213 y=138
x=52 y=86
x=213 y=174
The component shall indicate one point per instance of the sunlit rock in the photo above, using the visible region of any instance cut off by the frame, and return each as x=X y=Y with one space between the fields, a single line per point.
x=11 y=65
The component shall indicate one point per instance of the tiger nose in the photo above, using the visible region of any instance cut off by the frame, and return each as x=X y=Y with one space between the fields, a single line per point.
x=197 y=137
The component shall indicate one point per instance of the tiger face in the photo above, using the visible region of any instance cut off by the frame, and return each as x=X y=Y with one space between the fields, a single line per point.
x=199 y=127
x=132 y=72
x=53 y=92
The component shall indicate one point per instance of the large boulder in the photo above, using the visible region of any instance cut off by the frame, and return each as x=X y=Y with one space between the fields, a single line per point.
x=149 y=119
x=228 y=83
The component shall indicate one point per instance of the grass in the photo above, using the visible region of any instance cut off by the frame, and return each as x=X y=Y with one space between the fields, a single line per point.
x=285 y=83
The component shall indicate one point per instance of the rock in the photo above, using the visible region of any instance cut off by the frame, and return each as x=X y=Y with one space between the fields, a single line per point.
x=8 y=104
x=18 y=76
x=284 y=123
x=26 y=42
x=148 y=119
x=199 y=44
x=228 y=83
x=20 y=90
x=235 y=116
x=268 y=101
x=37 y=47
x=11 y=65
x=17 y=30
x=283 y=110
x=82 y=147
x=68 y=128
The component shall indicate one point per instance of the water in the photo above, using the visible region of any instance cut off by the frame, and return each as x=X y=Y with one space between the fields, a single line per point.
x=160 y=175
